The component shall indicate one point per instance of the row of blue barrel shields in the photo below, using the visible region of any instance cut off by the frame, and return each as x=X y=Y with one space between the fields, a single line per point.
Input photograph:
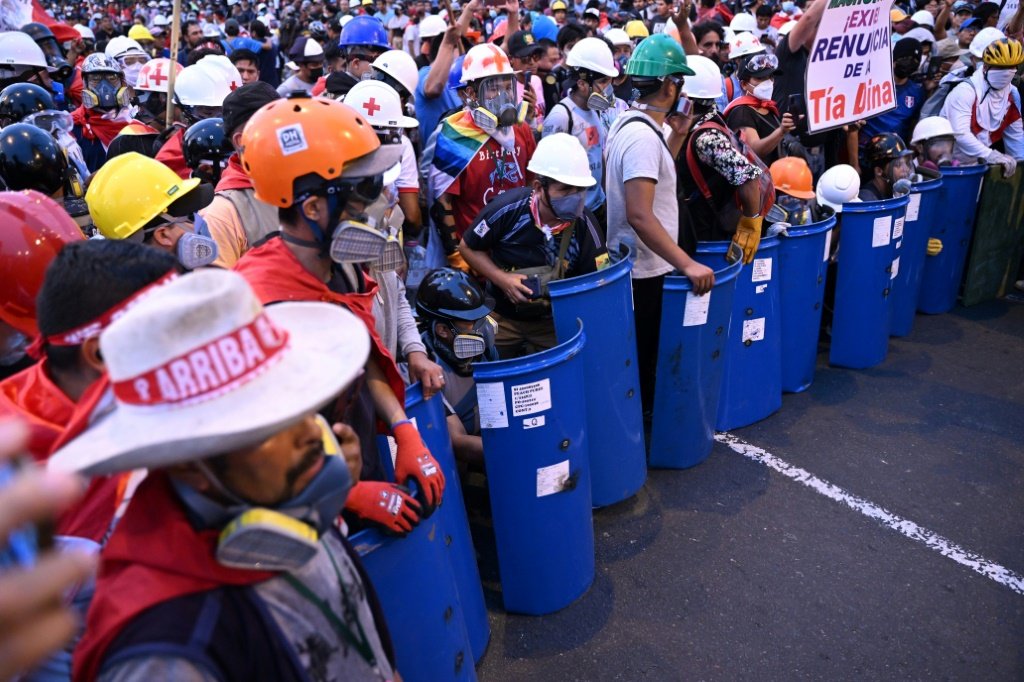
x=563 y=429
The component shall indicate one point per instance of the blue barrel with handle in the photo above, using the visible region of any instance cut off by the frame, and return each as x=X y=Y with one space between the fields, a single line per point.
x=429 y=417
x=803 y=262
x=953 y=226
x=860 y=320
x=752 y=382
x=603 y=300
x=909 y=264
x=533 y=418
x=692 y=348
x=414 y=579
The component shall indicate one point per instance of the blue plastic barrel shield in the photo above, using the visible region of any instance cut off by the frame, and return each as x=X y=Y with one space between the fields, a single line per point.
x=909 y=263
x=752 y=384
x=803 y=262
x=692 y=346
x=953 y=225
x=414 y=580
x=603 y=301
x=860 y=321
x=430 y=421
x=533 y=419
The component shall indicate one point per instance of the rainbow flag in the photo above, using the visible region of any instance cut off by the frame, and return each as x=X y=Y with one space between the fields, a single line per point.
x=458 y=141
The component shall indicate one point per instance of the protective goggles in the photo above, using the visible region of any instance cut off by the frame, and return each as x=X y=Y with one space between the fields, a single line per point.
x=365 y=189
x=762 y=62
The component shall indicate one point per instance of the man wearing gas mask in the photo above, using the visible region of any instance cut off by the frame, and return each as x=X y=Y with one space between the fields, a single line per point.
x=138 y=198
x=481 y=151
x=232 y=537
x=794 y=193
x=933 y=143
x=985 y=111
x=887 y=161
x=106 y=108
x=589 y=110
x=458 y=332
x=530 y=236
x=322 y=165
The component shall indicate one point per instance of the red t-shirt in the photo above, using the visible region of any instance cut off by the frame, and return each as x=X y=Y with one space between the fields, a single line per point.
x=492 y=171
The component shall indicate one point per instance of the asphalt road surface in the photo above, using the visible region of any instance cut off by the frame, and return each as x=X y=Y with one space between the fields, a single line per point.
x=732 y=570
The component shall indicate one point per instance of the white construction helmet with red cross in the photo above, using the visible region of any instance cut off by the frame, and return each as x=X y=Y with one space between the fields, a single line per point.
x=485 y=61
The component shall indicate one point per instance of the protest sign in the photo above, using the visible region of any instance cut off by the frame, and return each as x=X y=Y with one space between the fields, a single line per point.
x=849 y=74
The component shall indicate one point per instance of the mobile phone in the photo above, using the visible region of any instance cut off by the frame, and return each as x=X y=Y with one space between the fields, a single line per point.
x=533 y=283
x=685 y=106
x=795 y=105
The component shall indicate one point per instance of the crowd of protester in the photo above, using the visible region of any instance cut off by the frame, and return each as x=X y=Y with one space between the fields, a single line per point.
x=231 y=240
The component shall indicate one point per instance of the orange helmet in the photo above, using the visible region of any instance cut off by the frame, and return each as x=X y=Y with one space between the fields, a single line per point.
x=792 y=176
x=289 y=140
x=36 y=228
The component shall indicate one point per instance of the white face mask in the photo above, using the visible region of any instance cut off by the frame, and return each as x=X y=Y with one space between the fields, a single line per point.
x=763 y=90
x=131 y=73
x=1000 y=78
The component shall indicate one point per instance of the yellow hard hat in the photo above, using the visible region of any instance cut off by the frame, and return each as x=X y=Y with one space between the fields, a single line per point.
x=559 y=5
x=636 y=29
x=130 y=190
x=139 y=32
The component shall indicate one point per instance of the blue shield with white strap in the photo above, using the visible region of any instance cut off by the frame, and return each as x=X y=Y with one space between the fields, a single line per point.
x=860 y=320
x=603 y=300
x=692 y=345
x=803 y=265
x=752 y=381
x=534 y=424
x=911 y=252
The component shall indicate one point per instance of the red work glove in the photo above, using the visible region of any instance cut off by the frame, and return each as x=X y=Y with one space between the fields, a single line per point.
x=414 y=460
x=384 y=504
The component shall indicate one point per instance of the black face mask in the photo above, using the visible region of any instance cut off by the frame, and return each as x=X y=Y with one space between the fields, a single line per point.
x=904 y=68
x=316 y=73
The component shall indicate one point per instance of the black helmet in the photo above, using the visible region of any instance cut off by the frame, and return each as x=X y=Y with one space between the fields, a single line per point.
x=206 y=141
x=31 y=159
x=37 y=31
x=45 y=39
x=18 y=100
x=884 y=148
x=451 y=294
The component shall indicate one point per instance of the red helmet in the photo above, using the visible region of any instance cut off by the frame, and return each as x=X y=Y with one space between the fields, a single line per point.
x=33 y=229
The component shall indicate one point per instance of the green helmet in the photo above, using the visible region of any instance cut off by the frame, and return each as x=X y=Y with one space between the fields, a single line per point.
x=658 y=56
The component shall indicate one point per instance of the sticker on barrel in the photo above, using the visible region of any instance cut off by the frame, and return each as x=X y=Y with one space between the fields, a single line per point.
x=491 y=401
x=552 y=479
x=880 y=231
x=531 y=398
x=696 y=311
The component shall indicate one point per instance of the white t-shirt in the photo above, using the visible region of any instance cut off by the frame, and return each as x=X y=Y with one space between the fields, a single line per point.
x=409 y=178
x=637 y=151
x=294 y=84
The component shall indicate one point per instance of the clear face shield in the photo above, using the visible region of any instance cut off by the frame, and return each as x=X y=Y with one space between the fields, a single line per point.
x=899 y=169
x=497 y=104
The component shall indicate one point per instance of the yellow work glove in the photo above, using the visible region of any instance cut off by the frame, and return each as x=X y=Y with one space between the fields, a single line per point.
x=747 y=238
x=934 y=246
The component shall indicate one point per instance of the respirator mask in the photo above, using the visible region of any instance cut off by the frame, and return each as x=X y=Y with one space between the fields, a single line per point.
x=600 y=100
x=284 y=538
x=466 y=347
x=105 y=91
x=899 y=169
x=356 y=239
x=496 y=104
x=939 y=151
x=797 y=210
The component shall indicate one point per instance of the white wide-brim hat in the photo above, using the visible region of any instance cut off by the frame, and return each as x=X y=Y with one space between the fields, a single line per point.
x=325 y=351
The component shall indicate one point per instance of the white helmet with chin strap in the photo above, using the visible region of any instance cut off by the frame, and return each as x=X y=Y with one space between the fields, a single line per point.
x=839 y=185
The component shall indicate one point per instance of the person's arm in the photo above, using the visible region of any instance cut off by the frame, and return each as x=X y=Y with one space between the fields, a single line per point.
x=639 y=197
x=513 y=22
x=680 y=17
x=1015 y=26
x=1013 y=140
x=437 y=77
x=806 y=28
x=763 y=146
x=385 y=402
x=467 y=448
x=750 y=197
x=409 y=202
x=410 y=345
x=941 y=19
x=511 y=283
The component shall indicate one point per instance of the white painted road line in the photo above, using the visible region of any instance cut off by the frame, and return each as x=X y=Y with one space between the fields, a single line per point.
x=943 y=546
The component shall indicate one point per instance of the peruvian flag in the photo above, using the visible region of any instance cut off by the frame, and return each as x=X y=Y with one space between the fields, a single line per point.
x=16 y=13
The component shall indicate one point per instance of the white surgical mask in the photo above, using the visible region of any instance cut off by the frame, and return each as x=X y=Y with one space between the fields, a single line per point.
x=763 y=90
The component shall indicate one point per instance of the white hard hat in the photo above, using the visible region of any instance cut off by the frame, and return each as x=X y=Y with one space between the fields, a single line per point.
x=211 y=31
x=743 y=22
x=400 y=65
x=85 y=31
x=161 y=20
x=616 y=36
x=223 y=65
x=380 y=104
x=920 y=34
x=983 y=39
x=432 y=25
x=122 y=45
x=839 y=185
x=18 y=49
x=483 y=61
x=930 y=127
x=345 y=19
x=787 y=27
x=154 y=75
x=561 y=157
x=706 y=81
x=197 y=86
x=923 y=18
x=592 y=54
x=745 y=44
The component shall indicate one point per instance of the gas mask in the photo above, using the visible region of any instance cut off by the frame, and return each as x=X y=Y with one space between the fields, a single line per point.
x=938 y=151
x=620 y=63
x=798 y=211
x=284 y=538
x=61 y=126
x=496 y=104
x=898 y=169
x=601 y=101
x=465 y=348
x=999 y=79
x=105 y=92
x=195 y=250
x=357 y=240
x=392 y=256
x=55 y=58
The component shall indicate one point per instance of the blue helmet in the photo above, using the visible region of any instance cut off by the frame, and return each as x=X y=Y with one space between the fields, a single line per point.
x=455 y=75
x=364 y=30
x=544 y=27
